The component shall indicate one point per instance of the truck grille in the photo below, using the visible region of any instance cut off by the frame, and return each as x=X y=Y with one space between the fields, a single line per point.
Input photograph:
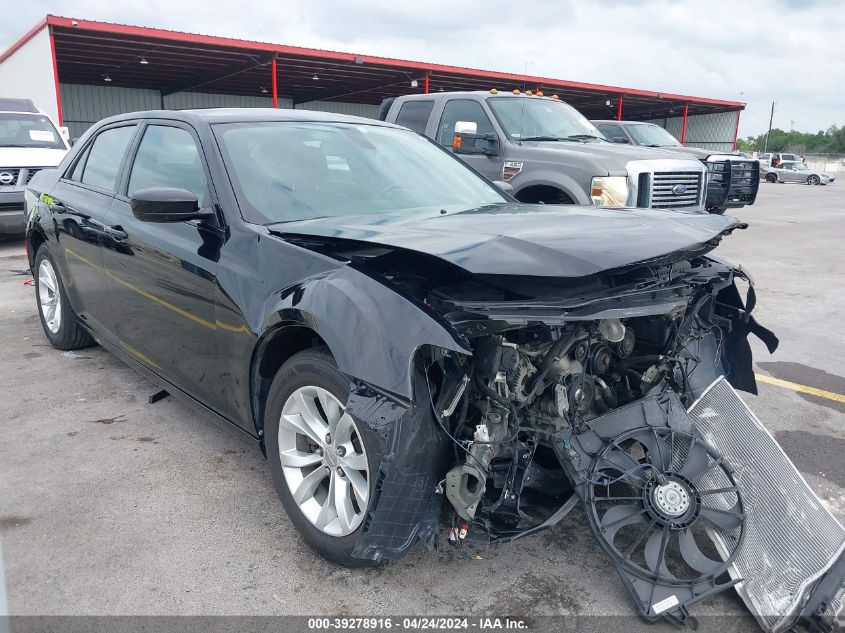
x=9 y=177
x=31 y=172
x=675 y=189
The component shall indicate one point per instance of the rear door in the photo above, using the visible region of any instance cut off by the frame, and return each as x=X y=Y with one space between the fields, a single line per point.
x=162 y=275
x=80 y=203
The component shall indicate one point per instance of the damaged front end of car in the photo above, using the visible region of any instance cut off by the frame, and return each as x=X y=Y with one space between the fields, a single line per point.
x=615 y=391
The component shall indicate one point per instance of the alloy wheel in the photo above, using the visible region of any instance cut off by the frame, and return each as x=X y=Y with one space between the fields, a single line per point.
x=324 y=461
x=49 y=297
x=813 y=180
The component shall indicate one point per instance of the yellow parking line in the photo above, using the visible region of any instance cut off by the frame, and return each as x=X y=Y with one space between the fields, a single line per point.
x=821 y=393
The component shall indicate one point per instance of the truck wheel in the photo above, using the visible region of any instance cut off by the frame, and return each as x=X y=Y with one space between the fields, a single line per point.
x=323 y=466
x=771 y=178
x=58 y=319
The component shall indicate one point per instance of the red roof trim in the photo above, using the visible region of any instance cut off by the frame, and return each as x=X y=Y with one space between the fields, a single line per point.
x=211 y=40
x=23 y=40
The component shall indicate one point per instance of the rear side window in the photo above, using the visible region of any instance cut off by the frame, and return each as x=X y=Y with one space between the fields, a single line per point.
x=105 y=157
x=414 y=115
x=168 y=157
x=462 y=110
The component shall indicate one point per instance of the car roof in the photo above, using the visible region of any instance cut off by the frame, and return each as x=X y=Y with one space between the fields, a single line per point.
x=244 y=115
x=622 y=122
x=475 y=93
x=19 y=106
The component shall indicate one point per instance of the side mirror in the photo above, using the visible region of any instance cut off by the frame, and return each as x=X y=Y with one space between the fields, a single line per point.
x=163 y=204
x=468 y=141
x=504 y=186
x=64 y=132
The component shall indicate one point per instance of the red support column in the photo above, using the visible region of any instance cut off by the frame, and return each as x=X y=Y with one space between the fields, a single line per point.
x=273 y=83
x=425 y=83
x=56 y=79
x=619 y=109
x=684 y=125
x=736 y=129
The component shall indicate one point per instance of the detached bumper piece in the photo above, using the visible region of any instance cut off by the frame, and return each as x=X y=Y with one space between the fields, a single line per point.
x=792 y=560
x=654 y=493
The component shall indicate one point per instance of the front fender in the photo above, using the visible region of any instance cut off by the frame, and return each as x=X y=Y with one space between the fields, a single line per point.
x=551 y=178
x=371 y=329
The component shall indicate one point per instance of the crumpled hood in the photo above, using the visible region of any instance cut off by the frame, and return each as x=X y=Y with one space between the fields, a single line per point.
x=534 y=240
x=30 y=157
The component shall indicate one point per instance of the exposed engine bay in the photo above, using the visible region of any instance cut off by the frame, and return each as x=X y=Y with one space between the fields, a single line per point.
x=584 y=391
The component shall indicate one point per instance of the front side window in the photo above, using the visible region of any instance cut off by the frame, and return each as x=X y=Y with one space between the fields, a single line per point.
x=168 y=157
x=414 y=114
x=537 y=119
x=613 y=132
x=462 y=110
x=105 y=157
x=29 y=130
x=284 y=171
x=652 y=136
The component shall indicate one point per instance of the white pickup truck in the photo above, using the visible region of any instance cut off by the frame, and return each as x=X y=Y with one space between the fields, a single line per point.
x=29 y=141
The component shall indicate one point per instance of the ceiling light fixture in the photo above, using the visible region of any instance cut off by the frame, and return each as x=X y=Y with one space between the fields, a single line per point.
x=106 y=78
x=414 y=83
x=607 y=102
x=143 y=60
x=263 y=90
x=315 y=77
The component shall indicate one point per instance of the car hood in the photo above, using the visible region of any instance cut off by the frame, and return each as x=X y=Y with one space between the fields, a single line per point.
x=613 y=155
x=534 y=240
x=30 y=157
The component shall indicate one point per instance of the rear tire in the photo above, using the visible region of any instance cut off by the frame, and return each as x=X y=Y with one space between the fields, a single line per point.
x=328 y=458
x=771 y=178
x=60 y=323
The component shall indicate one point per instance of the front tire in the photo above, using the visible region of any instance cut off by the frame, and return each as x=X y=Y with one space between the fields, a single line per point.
x=60 y=323
x=322 y=464
x=813 y=180
x=771 y=178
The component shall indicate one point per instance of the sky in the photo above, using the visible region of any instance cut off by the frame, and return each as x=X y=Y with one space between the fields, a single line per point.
x=756 y=51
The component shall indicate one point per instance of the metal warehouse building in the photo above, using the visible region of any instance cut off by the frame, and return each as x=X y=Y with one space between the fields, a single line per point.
x=81 y=71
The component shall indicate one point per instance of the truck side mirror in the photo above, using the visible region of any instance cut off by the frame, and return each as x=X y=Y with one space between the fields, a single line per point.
x=467 y=140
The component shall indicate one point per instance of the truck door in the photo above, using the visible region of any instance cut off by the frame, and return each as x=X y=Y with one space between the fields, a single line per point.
x=470 y=110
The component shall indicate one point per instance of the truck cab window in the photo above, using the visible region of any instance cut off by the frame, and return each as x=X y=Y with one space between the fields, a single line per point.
x=462 y=110
x=414 y=115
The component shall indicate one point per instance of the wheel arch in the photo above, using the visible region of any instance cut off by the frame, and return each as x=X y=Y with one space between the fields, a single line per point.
x=272 y=350
x=536 y=193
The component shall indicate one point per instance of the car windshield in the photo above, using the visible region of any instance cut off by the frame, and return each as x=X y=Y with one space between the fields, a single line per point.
x=652 y=135
x=28 y=130
x=288 y=171
x=532 y=119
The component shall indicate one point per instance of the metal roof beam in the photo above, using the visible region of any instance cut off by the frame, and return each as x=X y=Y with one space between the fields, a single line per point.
x=211 y=78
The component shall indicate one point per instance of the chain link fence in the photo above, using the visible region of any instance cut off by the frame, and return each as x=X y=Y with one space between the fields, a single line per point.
x=826 y=162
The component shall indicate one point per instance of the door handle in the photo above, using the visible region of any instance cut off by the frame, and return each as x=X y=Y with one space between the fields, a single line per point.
x=116 y=232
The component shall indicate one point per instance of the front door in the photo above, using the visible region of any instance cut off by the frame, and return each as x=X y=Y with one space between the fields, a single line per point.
x=471 y=111
x=162 y=276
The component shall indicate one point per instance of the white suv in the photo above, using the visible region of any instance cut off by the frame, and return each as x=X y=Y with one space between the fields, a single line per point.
x=29 y=141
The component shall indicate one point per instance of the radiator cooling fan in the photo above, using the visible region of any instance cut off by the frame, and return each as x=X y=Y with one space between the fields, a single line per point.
x=658 y=500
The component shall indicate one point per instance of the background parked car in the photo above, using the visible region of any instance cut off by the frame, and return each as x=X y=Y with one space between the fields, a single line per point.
x=29 y=141
x=796 y=171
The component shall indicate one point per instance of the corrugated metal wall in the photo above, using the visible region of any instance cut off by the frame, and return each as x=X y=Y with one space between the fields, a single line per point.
x=709 y=131
x=83 y=106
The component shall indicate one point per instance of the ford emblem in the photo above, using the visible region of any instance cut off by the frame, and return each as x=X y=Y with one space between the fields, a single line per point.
x=679 y=190
x=6 y=178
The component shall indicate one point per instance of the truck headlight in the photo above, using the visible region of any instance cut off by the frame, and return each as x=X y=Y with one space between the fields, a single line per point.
x=609 y=191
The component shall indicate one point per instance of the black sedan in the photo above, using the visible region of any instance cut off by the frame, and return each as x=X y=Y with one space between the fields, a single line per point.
x=410 y=347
